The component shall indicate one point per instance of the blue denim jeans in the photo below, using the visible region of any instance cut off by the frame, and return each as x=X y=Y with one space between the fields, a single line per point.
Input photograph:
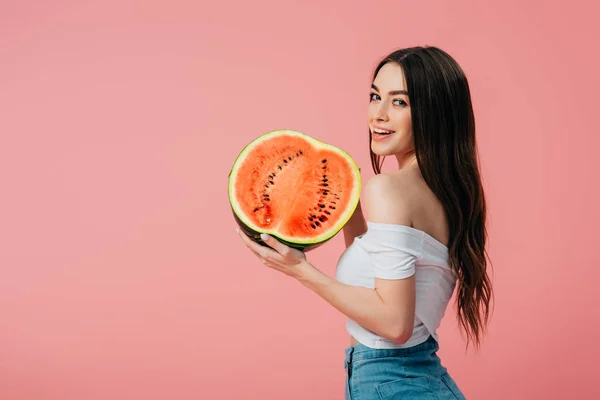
x=414 y=373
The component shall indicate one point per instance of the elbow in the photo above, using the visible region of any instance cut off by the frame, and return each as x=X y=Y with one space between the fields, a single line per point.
x=400 y=333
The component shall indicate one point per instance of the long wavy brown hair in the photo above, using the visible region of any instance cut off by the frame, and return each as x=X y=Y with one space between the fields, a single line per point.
x=443 y=127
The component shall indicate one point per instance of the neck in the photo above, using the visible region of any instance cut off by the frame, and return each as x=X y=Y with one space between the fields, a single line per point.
x=406 y=159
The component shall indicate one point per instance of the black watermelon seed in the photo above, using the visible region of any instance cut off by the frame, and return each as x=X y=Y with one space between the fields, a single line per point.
x=332 y=207
x=300 y=151
x=313 y=226
x=285 y=161
x=327 y=212
x=267 y=199
x=290 y=158
x=325 y=184
x=317 y=223
x=322 y=205
x=271 y=182
x=324 y=161
x=279 y=166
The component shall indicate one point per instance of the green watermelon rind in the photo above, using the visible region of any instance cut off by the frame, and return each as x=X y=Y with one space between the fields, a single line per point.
x=297 y=243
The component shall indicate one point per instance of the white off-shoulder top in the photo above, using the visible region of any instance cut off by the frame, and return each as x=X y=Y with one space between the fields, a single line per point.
x=390 y=251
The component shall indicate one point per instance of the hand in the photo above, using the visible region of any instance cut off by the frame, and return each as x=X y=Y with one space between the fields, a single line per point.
x=277 y=256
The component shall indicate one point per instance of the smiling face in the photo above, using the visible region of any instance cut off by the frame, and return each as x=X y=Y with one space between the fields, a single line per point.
x=389 y=115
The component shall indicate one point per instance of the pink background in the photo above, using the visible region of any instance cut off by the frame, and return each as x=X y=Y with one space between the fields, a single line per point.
x=121 y=274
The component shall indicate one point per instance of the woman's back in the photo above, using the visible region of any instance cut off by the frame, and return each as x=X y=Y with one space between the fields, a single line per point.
x=426 y=212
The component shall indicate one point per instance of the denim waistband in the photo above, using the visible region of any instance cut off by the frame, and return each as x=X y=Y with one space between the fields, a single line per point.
x=360 y=351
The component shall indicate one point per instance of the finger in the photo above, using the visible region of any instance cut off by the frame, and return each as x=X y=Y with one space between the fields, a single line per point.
x=247 y=241
x=260 y=251
x=275 y=244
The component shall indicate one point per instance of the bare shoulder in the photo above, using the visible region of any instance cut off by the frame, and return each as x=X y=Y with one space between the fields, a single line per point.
x=390 y=197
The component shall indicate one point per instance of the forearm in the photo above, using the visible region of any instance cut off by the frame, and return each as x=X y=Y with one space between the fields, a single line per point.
x=355 y=226
x=361 y=304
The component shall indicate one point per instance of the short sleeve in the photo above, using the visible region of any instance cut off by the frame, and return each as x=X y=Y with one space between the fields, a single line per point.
x=392 y=249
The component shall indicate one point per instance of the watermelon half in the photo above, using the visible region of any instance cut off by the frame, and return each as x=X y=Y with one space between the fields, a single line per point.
x=293 y=187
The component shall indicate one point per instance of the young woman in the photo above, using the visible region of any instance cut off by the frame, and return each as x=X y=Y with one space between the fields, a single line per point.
x=425 y=234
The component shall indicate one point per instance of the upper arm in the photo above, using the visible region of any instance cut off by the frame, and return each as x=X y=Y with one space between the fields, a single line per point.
x=387 y=202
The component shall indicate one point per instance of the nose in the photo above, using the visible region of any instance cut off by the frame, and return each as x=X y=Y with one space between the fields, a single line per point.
x=379 y=112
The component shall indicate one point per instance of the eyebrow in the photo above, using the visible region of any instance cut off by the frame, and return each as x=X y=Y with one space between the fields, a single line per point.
x=392 y=92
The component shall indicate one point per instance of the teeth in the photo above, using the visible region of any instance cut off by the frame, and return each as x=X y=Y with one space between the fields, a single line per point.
x=377 y=130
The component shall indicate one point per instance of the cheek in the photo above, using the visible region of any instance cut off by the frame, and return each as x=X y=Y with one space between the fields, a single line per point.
x=371 y=111
x=404 y=129
x=404 y=121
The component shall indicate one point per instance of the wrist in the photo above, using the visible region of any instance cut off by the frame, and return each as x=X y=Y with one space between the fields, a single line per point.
x=311 y=277
x=304 y=271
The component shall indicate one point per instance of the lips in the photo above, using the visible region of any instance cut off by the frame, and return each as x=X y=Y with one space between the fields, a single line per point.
x=377 y=137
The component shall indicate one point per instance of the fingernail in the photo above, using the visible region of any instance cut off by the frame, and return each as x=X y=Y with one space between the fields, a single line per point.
x=264 y=237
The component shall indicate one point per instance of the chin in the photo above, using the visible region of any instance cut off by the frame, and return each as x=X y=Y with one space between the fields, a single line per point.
x=383 y=149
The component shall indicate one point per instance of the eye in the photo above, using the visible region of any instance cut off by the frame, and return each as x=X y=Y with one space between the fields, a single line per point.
x=402 y=102
x=371 y=96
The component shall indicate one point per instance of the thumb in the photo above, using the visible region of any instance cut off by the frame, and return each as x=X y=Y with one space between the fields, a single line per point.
x=275 y=244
